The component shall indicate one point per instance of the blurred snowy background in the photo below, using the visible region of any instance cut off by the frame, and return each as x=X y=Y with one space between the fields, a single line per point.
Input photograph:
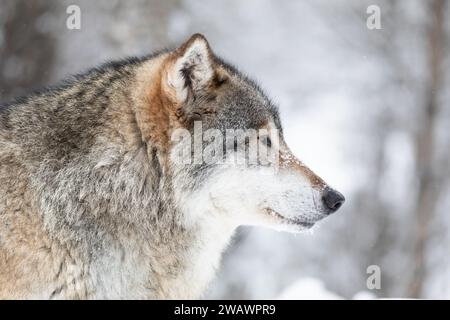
x=369 y=110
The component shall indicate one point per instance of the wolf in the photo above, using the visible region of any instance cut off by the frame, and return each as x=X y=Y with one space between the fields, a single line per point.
x=94 y=205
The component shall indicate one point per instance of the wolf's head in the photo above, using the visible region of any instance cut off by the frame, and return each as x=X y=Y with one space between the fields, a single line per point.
x=227 y=154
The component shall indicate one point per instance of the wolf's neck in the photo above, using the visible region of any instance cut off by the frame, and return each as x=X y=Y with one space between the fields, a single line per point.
x=199 y=260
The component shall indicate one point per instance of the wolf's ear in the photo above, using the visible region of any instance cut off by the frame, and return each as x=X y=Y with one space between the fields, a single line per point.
x=191 y=69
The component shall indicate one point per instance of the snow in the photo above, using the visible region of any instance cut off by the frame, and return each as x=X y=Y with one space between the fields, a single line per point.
x=308 y=289
x=314 y=289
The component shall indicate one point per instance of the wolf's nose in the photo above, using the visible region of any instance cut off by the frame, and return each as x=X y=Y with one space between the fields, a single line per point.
x=333 y=199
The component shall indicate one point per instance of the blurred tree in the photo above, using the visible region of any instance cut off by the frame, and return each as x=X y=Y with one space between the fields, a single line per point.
x=427 y=168
x=27 y=50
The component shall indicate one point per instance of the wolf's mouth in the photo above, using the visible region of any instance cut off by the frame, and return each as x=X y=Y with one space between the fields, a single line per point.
x=283 y=219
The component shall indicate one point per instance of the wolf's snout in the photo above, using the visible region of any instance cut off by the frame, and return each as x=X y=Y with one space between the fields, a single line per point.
x=333 y=199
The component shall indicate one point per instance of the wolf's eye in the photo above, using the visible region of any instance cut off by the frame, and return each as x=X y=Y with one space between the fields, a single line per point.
x=266 y=141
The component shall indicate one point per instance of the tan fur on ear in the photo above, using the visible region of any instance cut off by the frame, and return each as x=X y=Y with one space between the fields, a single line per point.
x=189 y=68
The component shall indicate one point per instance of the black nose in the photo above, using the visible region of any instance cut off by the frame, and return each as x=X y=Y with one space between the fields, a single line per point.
x=333 y=199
